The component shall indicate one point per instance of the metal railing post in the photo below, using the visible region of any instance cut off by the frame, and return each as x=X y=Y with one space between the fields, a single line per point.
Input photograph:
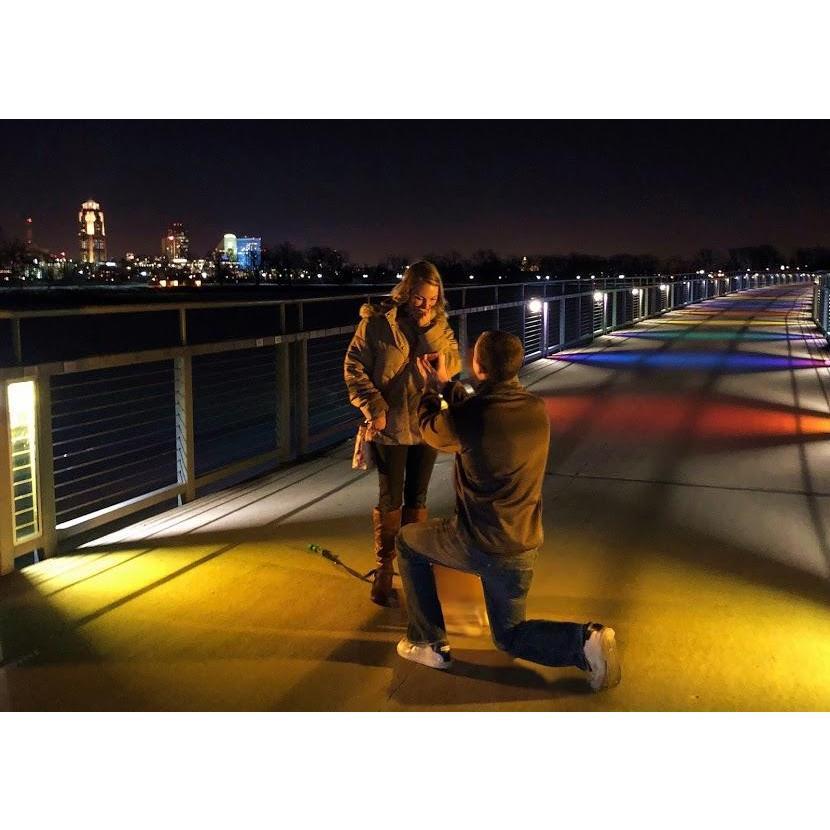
x=561 y=321
x=301 y=393
x=524 y=314
x=283 y=413
x=17 y=342
x=604 y=312
x=544 y=328
x=185 y=432
x=46 y=467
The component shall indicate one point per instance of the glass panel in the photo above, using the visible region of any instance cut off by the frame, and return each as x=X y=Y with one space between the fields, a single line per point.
x=22 y=424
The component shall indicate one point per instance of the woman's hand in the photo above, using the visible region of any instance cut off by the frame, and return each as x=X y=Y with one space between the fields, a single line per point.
x=433 y=369
x=424 y=317
x=376 y=425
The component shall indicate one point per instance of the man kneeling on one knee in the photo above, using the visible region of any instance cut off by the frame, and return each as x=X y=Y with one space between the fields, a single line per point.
x=500 y=436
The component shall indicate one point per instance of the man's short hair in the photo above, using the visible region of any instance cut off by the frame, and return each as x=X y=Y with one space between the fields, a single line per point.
x=500 y=355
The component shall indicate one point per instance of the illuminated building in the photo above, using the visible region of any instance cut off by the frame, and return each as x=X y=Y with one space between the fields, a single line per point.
x=249 y=252
x=228 y=246
x=92 y=234
x=175 y=244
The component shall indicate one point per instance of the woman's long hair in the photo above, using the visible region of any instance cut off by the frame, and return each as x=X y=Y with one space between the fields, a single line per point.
x=421 y=271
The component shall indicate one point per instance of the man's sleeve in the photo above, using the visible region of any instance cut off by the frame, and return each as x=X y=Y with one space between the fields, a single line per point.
x=437 y=423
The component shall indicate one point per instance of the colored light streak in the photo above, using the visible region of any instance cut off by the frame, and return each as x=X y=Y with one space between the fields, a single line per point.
x=721 y=336
x=718 y=323
x=691 y=361
x=636 y=416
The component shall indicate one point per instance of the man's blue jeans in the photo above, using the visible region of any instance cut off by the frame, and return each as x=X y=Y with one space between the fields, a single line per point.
x=506 y=580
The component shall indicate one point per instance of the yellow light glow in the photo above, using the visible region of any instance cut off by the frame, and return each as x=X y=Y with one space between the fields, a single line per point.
x=22 y=428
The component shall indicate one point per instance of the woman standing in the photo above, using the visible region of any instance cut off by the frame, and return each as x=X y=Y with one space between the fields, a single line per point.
x=384 y=383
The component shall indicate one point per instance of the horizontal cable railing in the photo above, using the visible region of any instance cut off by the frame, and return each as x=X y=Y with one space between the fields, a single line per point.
x=140 y=406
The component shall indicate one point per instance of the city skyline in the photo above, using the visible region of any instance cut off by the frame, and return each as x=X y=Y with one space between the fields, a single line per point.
x=378 y=188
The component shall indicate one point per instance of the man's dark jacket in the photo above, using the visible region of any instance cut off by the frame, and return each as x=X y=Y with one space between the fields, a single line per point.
x=500 y=436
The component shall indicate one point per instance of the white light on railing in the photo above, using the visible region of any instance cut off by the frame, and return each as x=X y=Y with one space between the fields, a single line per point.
x=534 y=306
x=664 y=287
x=599 y=296
x=635 y=292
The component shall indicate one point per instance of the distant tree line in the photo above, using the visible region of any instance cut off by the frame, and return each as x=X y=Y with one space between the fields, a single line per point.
x=487 y=265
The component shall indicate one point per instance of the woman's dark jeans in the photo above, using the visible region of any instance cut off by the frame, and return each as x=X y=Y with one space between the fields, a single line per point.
x=506 y=580
x=404 y=471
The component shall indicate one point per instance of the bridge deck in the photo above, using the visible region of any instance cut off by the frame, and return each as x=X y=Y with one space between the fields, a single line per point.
x=686 y=505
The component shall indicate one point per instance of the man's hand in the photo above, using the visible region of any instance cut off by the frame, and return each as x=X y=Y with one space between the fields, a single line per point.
x=376 y=425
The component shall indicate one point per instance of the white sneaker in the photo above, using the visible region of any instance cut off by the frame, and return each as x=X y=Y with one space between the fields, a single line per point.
x=434 y=655
x=601 y=654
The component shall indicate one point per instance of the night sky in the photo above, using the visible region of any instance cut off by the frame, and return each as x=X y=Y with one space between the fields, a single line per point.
x=381 y=187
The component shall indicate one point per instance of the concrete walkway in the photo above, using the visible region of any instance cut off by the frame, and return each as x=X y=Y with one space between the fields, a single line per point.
x=687 y=504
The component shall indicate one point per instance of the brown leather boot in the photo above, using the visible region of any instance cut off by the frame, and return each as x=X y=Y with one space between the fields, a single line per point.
x=414 y=514
x=386 y=523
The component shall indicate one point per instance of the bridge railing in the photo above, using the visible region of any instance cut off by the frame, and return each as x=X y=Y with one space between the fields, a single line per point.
x=113 y=410
x=821 y=301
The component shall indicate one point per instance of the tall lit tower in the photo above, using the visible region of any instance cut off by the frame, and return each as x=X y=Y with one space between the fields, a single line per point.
x=175 y=244
x=92 y=234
